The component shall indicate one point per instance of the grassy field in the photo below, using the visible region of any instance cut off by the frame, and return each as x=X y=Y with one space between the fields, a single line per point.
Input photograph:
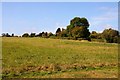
x=55 y=58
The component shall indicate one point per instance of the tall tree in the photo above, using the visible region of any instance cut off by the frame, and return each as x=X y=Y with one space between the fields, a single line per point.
x=78 y=28
x=58 y=31
x=12 y=35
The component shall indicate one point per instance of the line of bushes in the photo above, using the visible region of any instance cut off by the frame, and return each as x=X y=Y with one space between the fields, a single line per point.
x=76 y=30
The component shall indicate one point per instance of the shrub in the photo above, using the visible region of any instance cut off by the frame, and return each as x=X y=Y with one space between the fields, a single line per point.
x=25 y=35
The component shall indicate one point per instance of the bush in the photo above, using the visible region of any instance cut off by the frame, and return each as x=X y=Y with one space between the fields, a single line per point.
x=32 y=35
x=116 y=39
x=110 y=35
x=25 y=35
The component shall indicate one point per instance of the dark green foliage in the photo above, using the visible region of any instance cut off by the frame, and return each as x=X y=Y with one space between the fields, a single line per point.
x=32 y=35
x=5 y=35
x=94 y=35
x=58 y=31
x=79 y=22
x=25 y=35
x=69 y=29
x=75 y=22
x=76 y=32
x=84 y=22
x=99 y=35
x=39 y=35
x=50 y=34
x=44 y=34
x=63 y=33
x=116 y=39
x=88 y=38
x=110 y=35
x=78 y=28
x=12 y=35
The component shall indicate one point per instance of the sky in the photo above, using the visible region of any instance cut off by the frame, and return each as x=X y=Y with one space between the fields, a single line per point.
x=60 y=0
x=22 y=17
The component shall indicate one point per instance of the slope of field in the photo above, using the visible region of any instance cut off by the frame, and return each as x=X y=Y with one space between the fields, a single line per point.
x=53 y=58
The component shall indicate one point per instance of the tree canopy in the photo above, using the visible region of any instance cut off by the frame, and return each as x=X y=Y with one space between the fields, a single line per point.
x=110 y=35
x=78 y=28
x=58 y=31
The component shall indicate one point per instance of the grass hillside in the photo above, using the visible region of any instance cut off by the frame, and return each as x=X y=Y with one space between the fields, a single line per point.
x=54 y=58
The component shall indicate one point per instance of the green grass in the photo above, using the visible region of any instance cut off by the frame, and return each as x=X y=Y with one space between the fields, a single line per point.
x=40 y=57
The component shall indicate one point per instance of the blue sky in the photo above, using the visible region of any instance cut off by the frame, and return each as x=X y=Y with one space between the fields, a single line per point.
x=59 y=0
x=21 y=17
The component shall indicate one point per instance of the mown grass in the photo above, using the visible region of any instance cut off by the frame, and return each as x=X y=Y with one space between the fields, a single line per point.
x=40 y=57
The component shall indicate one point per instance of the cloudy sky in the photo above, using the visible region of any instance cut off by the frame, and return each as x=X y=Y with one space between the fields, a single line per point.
x=21 y=17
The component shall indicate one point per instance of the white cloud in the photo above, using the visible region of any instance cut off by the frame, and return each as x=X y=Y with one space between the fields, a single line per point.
x=108 y=8
x=110 y=14
x=106 y=17
x=104 y=20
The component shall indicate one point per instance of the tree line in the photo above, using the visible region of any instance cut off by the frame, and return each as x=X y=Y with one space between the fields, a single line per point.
x=76 y=30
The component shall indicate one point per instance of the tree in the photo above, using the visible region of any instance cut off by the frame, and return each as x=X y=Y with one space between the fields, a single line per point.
x=75 y=22
x=32 y=35
x=94 y=35
x=58 y=31
x=50 y=34
x=94 y=32
x=80 y=32
x=3 y=35
x=84 y=22
x=12 y=35
x=64 y=33
x=76 y=32
x=110 y=35
x=39 y=35
x=116 y=39
x=79 y=22
x=99 y=35
x=25 y=35
x=78 y=28
x=68 y=30
x=44 y=34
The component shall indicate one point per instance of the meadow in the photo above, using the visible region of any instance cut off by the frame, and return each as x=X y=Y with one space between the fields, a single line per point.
x=58 y=58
